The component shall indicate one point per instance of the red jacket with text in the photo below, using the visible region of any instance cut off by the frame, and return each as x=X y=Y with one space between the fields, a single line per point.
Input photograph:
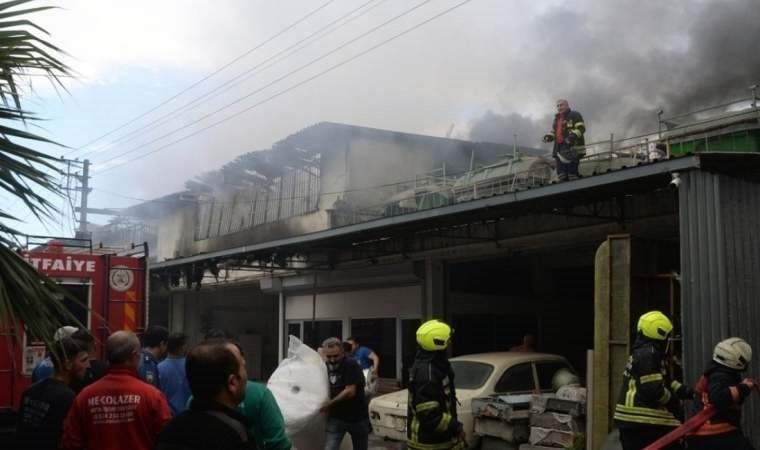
x=119 y=411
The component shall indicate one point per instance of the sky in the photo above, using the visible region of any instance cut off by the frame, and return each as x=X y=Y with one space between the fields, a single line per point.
x=143 y=107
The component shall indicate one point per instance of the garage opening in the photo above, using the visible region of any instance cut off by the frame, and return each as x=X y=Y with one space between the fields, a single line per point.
x=495 y=303
x=549 y=293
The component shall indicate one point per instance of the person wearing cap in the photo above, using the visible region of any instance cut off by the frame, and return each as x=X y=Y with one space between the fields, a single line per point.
x=723 y=388
x=45 y=368
x=649 y=399
x=432 y=406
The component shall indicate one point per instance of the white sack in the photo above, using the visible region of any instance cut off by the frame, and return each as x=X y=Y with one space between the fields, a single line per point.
x=300 y=387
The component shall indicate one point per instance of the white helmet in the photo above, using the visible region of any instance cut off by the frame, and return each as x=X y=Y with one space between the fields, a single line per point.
x=733 y=352
x=564 y=377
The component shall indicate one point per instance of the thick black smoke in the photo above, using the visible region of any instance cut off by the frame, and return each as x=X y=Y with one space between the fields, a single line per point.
x=618 y=63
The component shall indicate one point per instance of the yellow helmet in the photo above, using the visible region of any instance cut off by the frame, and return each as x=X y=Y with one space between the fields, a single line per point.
x=434 y=335
x=655 y=325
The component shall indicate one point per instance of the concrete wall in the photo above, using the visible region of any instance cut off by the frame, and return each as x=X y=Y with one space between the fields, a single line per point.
x=388 y=302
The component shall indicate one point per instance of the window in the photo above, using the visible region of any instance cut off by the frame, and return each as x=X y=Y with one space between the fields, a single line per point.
x=314 y=333
x=518 y=378
x=379 y=335
x=294 y=329
x=79 y=307
x=546 y=371
x=470 y=374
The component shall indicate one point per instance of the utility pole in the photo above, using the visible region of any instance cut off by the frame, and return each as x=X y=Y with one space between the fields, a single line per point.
x=84 y=180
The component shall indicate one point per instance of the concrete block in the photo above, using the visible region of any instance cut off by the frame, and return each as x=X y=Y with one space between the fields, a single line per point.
x=551 y=438
x=575 y=409
x=515 y=432
x=538 y=402
x=574 y=393
x=498 y=409
x=557 y=421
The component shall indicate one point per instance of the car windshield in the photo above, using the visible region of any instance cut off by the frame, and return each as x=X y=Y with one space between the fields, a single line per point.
x=470 y=374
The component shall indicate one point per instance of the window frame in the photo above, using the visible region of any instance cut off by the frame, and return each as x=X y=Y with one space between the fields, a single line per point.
x=533 y=376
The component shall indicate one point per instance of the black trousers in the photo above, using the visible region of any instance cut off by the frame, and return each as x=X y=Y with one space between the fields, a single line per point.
x=568 y=169
x=636 y=438
x=728 y=441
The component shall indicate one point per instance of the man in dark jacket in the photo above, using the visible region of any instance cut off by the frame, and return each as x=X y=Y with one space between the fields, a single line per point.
x=44 y=404
x=722 y=387
x=649 y=401
x=217 y=377
x=567 y=134
x=432 y=406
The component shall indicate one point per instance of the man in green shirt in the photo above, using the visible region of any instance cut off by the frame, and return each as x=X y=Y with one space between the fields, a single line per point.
x=261 y=410
x=267 y=425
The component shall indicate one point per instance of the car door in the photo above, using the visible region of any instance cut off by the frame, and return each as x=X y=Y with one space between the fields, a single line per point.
x=518 y=379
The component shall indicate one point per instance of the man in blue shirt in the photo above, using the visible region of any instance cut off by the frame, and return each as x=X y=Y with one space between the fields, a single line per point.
x=365 y=356
x=171 y=374
x=155 y=341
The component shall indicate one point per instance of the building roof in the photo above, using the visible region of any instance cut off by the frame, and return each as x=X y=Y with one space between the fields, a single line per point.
x=603 y=185
x=328 y=136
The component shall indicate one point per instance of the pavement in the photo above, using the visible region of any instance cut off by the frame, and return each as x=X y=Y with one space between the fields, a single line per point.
x=379 y=443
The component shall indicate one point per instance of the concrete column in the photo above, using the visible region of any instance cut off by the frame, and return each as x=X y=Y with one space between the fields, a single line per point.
x=281 y=330
x=434 y=305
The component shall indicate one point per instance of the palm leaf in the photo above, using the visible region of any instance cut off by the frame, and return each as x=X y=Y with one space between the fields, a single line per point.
x=26 y=297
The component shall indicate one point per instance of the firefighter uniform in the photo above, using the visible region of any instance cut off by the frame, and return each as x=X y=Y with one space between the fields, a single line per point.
x=722 y=387
x=649 y=399
x=431 y=408
x=567 y=134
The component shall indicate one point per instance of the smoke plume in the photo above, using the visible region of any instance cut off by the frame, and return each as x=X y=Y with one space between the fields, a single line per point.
x=618 y=63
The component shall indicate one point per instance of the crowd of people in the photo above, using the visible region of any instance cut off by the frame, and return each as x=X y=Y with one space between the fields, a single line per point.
x=160 y=395
x=165 y=396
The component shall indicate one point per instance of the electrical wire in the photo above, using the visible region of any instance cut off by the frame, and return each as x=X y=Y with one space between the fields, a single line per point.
x=240 y=78
x=212 y=74
x=271 y=83
x=280 y=93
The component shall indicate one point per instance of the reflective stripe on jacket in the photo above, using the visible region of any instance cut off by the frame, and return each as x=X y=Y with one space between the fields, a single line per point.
x=431 y=409
x=647 y=391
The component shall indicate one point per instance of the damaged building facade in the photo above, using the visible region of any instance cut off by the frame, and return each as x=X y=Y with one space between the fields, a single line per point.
x=367 y=233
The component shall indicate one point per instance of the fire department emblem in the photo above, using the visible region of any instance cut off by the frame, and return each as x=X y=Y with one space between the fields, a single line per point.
x=121 y=278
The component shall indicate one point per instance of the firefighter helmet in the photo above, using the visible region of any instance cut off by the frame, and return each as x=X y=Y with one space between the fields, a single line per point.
x=733 y=352
x=434 y=335
x=655 y=325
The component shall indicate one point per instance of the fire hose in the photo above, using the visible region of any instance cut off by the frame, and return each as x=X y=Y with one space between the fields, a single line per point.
x=687 y=428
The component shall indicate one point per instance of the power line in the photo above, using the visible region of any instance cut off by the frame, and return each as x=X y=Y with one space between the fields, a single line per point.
x=230 y=63
x=292 y=87
x=240 y=78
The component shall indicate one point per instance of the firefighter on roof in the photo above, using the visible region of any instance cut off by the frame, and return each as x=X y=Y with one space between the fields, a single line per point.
x=567 y=134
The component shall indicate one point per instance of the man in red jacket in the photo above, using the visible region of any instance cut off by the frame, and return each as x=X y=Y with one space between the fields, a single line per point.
x=119 y=411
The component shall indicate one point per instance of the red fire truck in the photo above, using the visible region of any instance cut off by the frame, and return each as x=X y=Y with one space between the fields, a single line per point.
x=111 y=283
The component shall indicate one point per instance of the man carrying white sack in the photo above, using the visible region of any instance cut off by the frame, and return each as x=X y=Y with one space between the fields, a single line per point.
x=347 y=407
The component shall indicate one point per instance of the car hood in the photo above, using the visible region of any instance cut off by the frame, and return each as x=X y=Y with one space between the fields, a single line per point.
x=398 y=399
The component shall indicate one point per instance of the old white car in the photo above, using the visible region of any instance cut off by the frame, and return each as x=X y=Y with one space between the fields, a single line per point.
x=477 y=375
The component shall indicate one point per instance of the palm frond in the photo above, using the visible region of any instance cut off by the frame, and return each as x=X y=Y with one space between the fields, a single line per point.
x=26 y=296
